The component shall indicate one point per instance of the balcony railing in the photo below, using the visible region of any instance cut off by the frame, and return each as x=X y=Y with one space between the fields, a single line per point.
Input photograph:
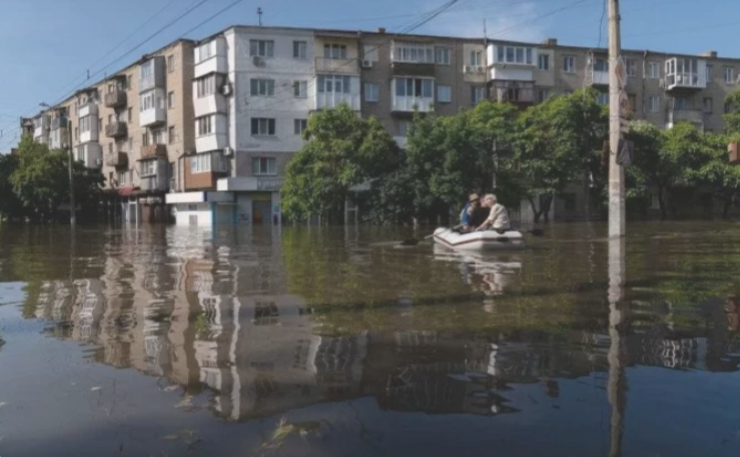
x=116 y=159
x=684 y=80
x=340 y=66
x=59 y=122
x=116 y=129
x=153 y=151
x=115 y=99
x=693 y=116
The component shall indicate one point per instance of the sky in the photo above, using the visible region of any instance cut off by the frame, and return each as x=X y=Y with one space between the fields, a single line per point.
x=47 y=47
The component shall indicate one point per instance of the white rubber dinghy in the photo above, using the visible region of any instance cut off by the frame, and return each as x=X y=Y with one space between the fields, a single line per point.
x=479 y=241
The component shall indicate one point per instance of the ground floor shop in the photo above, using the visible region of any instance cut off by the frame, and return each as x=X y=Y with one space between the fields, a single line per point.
x=213 y=208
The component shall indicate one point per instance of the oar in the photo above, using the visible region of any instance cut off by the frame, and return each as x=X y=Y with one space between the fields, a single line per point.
x=415 y=241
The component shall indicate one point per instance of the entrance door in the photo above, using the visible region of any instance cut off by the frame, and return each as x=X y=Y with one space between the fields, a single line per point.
x=261 y=212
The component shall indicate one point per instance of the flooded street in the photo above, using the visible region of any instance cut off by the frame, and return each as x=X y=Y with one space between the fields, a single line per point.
x=166 y=341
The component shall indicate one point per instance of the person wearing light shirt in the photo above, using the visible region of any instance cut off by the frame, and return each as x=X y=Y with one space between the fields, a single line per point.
x=498 y=218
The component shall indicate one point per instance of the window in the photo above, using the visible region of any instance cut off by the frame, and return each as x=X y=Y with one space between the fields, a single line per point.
x=569 y=64
x=543 y=62
x=171 y=134
x=157 y=136
x=478 y=93
x=708 y=105
x=654 y=103
x=77 y=133
x=206 y=51
x=130 y=82
x=710 y=74
x=262 y=48
x=728 y=107
x=124 y=178
x=263 y=166
x=404 y=127
x=170 y=63
x=335 y=51
x=371 y=92
x=148 y=167
x=442 y=56
x=130 y=113
x=444 y=93
x=476 y=58
x=729 y=73
x=514 y=54
x=85 y=124
x=300 y=89
x=412 y=53
x=204 y=125
x=205 y=86
x=603 y=98
x=631 y=68
x=653 y=70
x=146 y=101
x=262 y=126
x=632 y=98
x=262 y=87
x=100 y=124
x=370 y=53
x=110 y=119
x=601 y=64
x=170 y=100
x=200 y=163
x=414 y=87
x=300 y=50
x=543 y=94
x=299 y=125
x=681 y=103
x=145 y=139
x=147 y=69
x=334 y=83
x=110 y=148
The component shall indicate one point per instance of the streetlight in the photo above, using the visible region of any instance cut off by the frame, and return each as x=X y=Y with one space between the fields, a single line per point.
x=72 y=207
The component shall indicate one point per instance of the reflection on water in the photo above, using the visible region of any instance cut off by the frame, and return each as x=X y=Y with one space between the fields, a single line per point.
x=264 y=323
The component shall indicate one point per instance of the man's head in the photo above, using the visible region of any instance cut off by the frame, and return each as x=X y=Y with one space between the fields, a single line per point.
x=489 y=200
x=474 y=199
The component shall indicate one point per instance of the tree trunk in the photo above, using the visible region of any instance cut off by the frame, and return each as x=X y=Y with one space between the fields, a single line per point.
x=546 y=207
x=726 y=207
x=587 y=197
x=661 y=204
x=537 y=214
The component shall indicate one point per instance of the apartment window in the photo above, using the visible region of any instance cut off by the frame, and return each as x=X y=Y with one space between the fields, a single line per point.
x=130 y=144
x=206 y=51
x=412 y=53
x=157 y=136
x=100 y=124
x=145 y=139
x=653 y=70
x=729 y=73
x=371 y=92
x=710 y=74
x=148 y=167
x=110 y=119
x=147 y=69
x=200 y=163
x=334 y=83
x=110 y=148
x=300 y=89
x=444 y=93
x=414 y=87
x=442 y=56
x=262 y=87
x=569 y=64
x=514 y=54
x=728 y=107
x=262 y=126
x=370 y=53
x=299 y=125
x=603 y=98
x=85 y=124
x=130 y=82
x=171 y=134
x=170 y=100
x=543 y=94
x=601 y=65
x=300 y=50
x=404 y=127
x=204 y=125
x=543 y=62
x=170 y=63
x=654 y=103
x=476 y=58
x=146 y=101
x=264 y=166
x=681 y=103
x=205 y=86
x=708 y=105
x=77 y=133
x=262 y=48
x=335 y=51
x=478 y=93
x=124 y=178
x=130 y=114
x=631 y=68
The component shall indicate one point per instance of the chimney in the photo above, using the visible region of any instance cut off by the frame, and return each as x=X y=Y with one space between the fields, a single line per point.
x=550 y=42
x=381 y=30
x=711 y=54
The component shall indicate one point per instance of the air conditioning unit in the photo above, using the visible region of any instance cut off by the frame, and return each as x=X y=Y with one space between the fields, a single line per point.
x=367 y=64
x=227 y=89
x=467 y=69
x=480 y=69
x=228 y=151
x=661 y=83
x=258 y=61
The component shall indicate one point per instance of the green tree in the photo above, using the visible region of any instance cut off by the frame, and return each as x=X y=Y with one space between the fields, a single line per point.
x=10 y=206
x=732 y=113
x=717 y=173
x=342 y=150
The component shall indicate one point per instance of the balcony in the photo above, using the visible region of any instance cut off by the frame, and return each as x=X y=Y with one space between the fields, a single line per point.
x=515 y=92
x=511 y=63
x=683 y=73
x=154 y=114
x=211 y=58
x=152 y=73
x=116 y=129
x=337 y=66
x=116 y=99
x=116 y=160
x=334 y=99
x=597 y=75
x=692 y=116
x=59 y=123
x=90 y=154
x=154 y=183
x=153 y=151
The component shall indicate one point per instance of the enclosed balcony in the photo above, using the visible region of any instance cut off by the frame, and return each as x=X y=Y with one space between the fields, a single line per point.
x=692 y=116
x=41 y=126
x=411 y=94
x=152 y=73
x=116 y=129
x=211 y=57
x=597 y=72
x=515 y=92
x=116 y=98
x=153 y=151
x=152 y=109
x=512 y=63
x=684 y=73
x=337 y=66
x=90 y=154
x=153 y=174
x=116 y=159
x=412 y=59
x=333 y=90
x=59 y=123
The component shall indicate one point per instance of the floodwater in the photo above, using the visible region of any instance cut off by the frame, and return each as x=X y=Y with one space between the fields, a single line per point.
x=328 y=342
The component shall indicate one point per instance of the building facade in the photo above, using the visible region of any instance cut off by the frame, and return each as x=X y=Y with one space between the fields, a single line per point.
x=208 y=127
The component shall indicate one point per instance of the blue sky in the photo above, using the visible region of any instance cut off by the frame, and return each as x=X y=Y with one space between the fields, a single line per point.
x=48 y=45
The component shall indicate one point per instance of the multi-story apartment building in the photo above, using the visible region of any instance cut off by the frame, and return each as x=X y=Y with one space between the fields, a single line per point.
x=213 y=124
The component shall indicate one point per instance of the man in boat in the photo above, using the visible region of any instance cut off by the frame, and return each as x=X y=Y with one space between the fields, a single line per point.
x=473 y=214
x=498 y=217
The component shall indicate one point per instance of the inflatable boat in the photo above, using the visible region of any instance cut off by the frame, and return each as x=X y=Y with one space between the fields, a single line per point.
x=479 y=241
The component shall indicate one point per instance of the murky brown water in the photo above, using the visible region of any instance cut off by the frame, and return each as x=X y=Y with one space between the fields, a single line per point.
x=167 y=342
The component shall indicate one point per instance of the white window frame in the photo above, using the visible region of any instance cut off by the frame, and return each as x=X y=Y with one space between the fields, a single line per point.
x=603 y=98
x=206 y=51
x=419 y=87
x=205 y=86
x=444 y=93
x=477 y=94
x=517 y=55
x=266 y=126
x=631 y=68
x=269 y=168
x=157 y=136
x=412 y=53
x=85 y=124
x=476 y=58
x=170 y=63
x=170 y=100
x=123 y=177
x=148 y=168
x=569 y=64
x=328 y=83
x=335 y=51
x=601 y=64
x=300 y=89
x=710 y=74
x=654 y=103
x=372 y=92
x=299 y=125
x=262 y=48
x=543 y=94
x=543 y=62
x=728 y=74
x=200 y=163
x=300 y=49
x=170 y=134
x=262 y=87
x=442 y=56
x=653 y=70
x=205 y=125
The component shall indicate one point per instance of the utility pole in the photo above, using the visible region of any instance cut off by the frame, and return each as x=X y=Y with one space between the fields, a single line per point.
x=72 y=207
x=616 y=172
x=259 y=14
